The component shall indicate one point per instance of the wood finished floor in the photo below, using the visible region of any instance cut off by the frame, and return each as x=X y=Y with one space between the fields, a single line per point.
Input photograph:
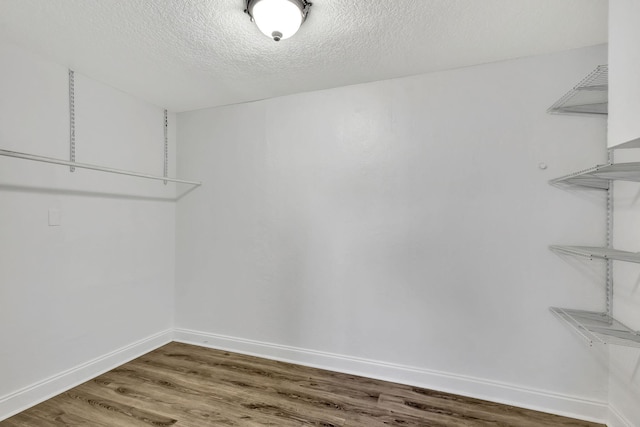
x=190 y=386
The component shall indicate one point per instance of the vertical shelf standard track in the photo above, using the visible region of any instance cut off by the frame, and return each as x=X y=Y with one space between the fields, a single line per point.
x=609 y=242
x=72 y=120
x=166 y=147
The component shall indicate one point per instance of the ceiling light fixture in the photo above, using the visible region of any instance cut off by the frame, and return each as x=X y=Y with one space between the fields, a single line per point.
x=278 y=19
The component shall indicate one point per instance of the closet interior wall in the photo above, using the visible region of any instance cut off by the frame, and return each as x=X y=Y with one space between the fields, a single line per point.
x=624 y=377
x=396 y=229
x=624 y=131
x=400 y=229
x=97 y=289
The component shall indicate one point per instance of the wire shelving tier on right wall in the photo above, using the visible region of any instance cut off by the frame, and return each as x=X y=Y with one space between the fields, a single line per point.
x=590 y=97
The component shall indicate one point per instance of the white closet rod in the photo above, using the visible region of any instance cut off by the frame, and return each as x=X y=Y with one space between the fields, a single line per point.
x=33 y=157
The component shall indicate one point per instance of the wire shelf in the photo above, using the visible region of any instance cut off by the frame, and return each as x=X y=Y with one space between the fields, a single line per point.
x=599 y=176
x=590 y=96
x=619 y=171
x=584 y=178
x=598 y=327
x=592 y=252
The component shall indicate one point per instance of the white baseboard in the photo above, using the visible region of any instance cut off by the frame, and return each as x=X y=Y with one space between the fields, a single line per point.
x=22 y=399
x=616 y=419
x=570 y=406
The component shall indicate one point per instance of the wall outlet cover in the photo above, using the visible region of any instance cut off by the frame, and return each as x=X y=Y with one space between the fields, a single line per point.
x=54 y=217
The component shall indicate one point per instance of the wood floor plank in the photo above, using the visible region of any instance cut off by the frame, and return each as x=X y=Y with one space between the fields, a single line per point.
x=105 y=410
x=272 y=402
x=31 y=418
x=130 y=396
x=480 y=411
x=189 y=386
x=431 y=414
x=243 y=384
x=199 y=404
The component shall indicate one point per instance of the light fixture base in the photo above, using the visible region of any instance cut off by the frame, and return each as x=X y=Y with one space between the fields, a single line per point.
x=278 y=19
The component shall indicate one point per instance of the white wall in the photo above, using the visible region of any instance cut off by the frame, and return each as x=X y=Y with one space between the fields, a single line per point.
x=624 y=381
x=624 y=132
x=80 y=297
x=399 y=229
x=624 y=66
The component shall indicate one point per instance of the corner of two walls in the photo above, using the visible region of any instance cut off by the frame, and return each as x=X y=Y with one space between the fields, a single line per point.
x=624 y=373
x=624 y=131
x=84 y=296
x=400 y=230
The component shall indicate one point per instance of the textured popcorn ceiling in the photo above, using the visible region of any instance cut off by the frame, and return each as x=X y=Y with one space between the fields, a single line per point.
x=190 y=54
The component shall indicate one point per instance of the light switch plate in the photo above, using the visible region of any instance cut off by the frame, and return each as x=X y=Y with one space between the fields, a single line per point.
x=54 y=217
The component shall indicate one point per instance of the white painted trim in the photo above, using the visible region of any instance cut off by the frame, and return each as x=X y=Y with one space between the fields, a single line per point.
x=616 y=419
x=539 y=400
x=26 y=397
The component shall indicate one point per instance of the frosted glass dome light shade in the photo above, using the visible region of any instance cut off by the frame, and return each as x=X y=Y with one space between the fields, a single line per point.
x=278 y=19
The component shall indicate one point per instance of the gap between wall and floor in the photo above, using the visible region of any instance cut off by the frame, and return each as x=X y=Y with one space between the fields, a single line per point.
x=564 y=405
